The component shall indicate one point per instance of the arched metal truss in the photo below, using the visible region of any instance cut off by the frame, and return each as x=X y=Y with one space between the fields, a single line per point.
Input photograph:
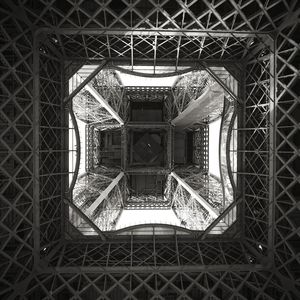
x=101 y=100
x=38 y=259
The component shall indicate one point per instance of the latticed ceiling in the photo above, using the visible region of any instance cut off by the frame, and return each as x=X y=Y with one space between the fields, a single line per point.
x=43 y=43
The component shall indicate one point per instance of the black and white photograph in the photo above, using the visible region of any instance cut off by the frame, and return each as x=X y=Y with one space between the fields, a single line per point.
x=150 y=149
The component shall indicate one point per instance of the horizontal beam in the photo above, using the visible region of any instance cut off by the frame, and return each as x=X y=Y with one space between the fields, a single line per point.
x=146 y=170
x=195 y=195
x=163 y=125
x=104 y=194
x=158 y=32
x=189 y=63
x=161 y=269
x=104 y=103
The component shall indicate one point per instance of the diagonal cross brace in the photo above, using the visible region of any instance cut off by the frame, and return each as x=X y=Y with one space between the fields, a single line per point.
x=224 y=85
x=195 y=195
x=84 y=82
x=104 y=103
x=104 y=194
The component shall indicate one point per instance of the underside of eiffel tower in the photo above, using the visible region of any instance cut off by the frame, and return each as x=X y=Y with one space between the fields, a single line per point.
x=150 y=149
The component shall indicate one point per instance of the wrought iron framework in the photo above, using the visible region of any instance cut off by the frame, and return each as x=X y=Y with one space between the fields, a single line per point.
x=43 y=43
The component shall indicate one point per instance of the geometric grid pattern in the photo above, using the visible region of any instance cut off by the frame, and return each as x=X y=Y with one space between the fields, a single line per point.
x=263 y=263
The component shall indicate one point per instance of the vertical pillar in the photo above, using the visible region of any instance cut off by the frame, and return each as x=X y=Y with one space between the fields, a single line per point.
x=170 y=147
x=272 y=151
x=124 y=147
x=35 y=151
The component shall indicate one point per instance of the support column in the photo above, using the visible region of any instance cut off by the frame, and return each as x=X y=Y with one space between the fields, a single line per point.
x=272 y=152
x=170 y=148
x=35 y=151
x=124 y=140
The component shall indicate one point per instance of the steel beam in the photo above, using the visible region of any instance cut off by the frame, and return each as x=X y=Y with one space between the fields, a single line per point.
x=103 y=103
x=147 y=170
x=272 y=151
x=85 y=218
x=221 y=83
x=35 y=150
x=85 y=82
x=195 y=195
x=124 y=140
x=104 y=194
x=78 y=151
x=204 y=234
x=160 y=269
x=159 y=125
x=157 y=32
x=170 y=147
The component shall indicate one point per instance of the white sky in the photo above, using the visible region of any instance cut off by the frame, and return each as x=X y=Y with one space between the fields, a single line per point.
x=132 y=80
x=81 y=128
x=130 y=217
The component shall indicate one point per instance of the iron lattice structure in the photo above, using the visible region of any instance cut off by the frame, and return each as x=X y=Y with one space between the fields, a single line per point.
x=43 y=43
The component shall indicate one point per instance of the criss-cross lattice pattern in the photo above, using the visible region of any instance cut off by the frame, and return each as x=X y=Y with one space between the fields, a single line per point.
x=105 y=215
x=159 y=21
x=88 y=109
x=190 y=212
x=108 y=86
x=190 y=87
x=207 y=186
x=17 y=156
x=35 y=262
x=286 y=193
x=257 y=130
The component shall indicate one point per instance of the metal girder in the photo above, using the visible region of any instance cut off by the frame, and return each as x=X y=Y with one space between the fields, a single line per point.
x=140 y=125
x=155 y=248
x=173 y=283
x=78 y=151
x=148 y=170
x=85 y=218
x=124 y=140
x=272 y=159
x=233 y=205
x=85 y=82
x=104 y=103
x=158 y=269
x=233 y=94
x=195 y=195
x=104 y=194
x=35 y=151
x=158 y=32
